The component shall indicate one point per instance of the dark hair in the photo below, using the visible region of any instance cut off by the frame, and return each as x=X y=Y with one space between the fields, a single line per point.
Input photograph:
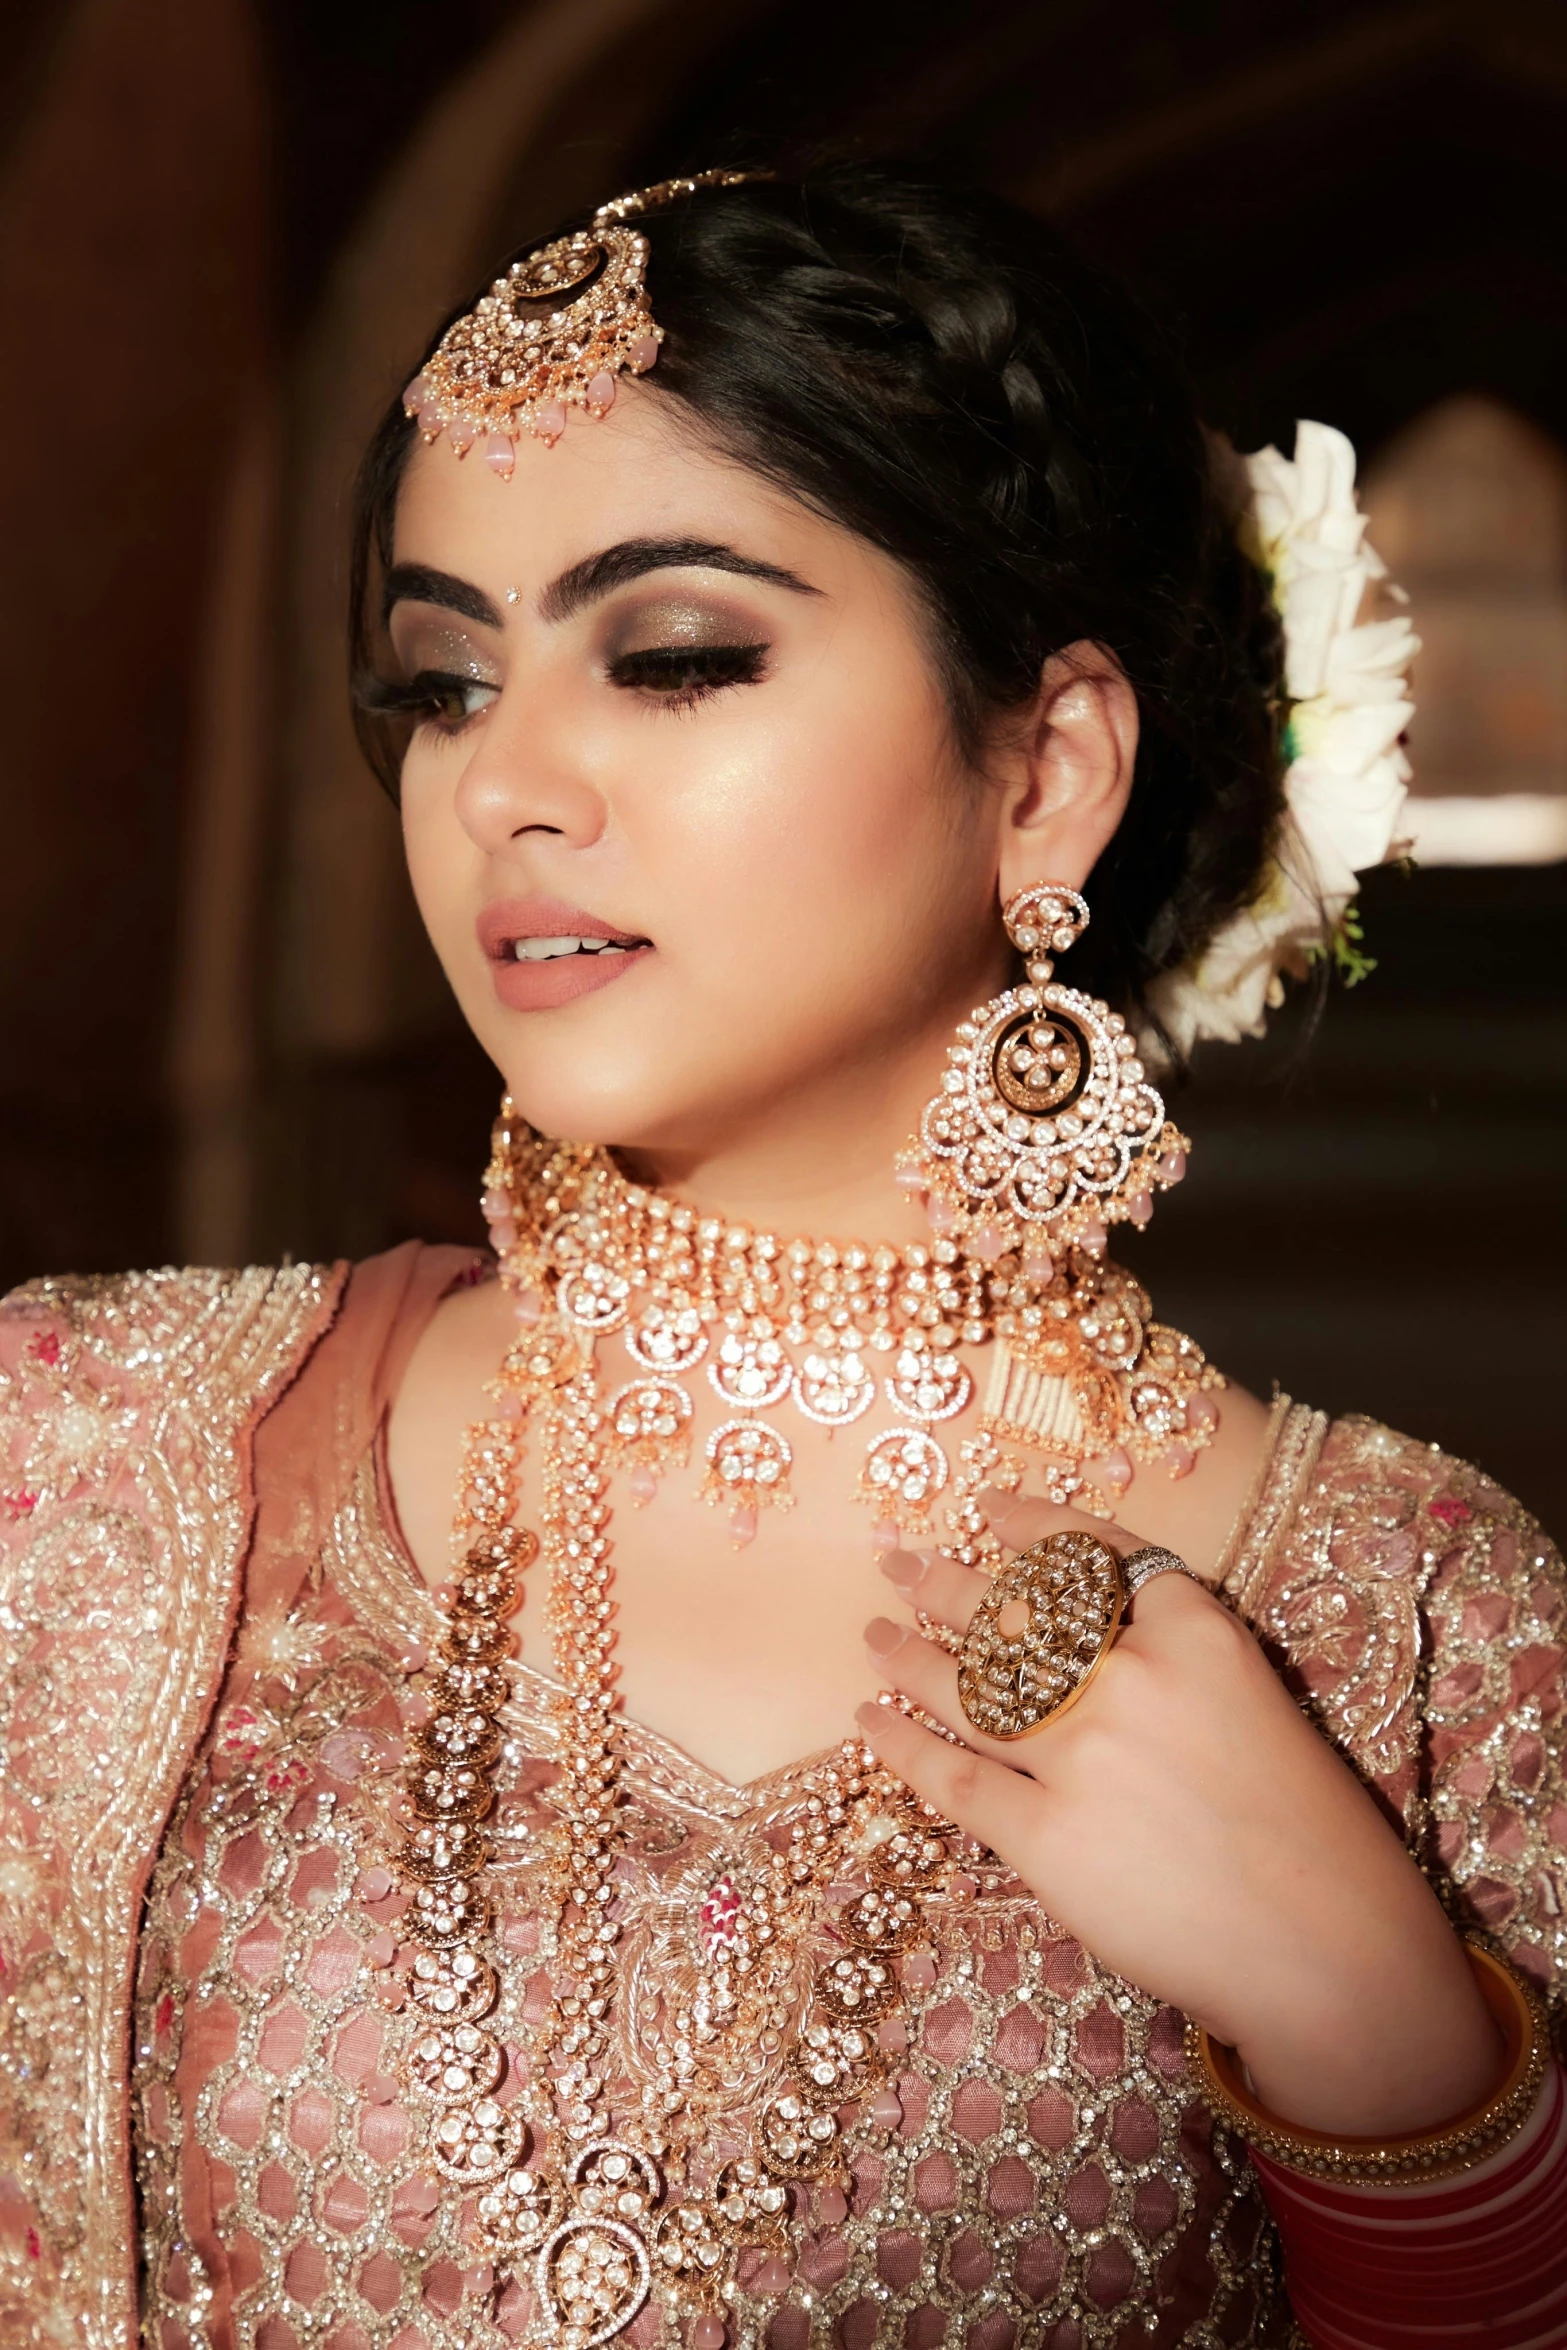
x=946 y=376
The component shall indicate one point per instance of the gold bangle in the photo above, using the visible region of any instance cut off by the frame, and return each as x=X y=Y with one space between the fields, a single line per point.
x=1390 y=2162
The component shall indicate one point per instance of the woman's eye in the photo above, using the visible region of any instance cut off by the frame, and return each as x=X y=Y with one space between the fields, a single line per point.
x=456 y=701
x=678 y=675
x=437 y=698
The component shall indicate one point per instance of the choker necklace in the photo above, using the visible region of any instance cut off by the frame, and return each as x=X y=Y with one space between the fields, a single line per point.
x=1080 y=1372
x=598 y=2211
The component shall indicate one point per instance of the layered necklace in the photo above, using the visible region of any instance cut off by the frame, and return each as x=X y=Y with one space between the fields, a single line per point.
x=599 y=2199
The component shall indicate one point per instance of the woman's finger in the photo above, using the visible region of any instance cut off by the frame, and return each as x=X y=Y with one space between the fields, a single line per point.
x=1019 y=1520
x=936 y=1585
x=918 y=1669
x=985 y=1799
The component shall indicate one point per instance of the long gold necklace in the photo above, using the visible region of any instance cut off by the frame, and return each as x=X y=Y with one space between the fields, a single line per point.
x=597 y=2210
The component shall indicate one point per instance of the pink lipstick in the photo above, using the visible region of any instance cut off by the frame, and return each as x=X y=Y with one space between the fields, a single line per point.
x=544 y=953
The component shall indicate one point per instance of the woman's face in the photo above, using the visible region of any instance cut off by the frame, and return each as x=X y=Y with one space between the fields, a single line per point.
x=683 y=812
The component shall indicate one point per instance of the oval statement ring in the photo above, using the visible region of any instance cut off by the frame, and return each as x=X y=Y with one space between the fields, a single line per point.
x=1039 y=1635
x=1044 y=1628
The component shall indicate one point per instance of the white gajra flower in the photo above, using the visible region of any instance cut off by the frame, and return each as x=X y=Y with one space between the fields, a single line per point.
x=1346 y=781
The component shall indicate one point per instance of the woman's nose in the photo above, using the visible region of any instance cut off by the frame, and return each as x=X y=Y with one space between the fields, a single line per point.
x=518 y=780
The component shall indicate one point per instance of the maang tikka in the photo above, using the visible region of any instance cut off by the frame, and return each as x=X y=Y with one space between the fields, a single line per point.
x=553 y=334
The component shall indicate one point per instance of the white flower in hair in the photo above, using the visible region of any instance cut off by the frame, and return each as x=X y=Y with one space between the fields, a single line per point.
x=1346 y=781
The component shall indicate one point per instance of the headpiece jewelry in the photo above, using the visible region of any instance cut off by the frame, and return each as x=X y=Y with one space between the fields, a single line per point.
x=1346 y=681
x=550 y=335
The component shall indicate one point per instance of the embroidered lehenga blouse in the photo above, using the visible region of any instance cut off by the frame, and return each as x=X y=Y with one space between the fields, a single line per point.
x=206 y=2142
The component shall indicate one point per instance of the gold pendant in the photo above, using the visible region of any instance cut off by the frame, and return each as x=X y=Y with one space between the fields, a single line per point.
x=594 y=2270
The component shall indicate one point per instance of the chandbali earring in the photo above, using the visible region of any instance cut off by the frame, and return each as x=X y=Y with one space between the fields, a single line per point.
x=1046 y=1131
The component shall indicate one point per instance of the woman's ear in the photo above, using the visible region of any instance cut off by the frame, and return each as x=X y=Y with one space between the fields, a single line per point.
x=1067 y=771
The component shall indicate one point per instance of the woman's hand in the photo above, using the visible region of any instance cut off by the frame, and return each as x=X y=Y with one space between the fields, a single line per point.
x=1187 y=1824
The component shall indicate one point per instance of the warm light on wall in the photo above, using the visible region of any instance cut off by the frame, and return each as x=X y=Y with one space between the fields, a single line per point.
x=1469 y=508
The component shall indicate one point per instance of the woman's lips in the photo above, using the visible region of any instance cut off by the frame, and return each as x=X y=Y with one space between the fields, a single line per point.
x=528 y=985
x=540 y=987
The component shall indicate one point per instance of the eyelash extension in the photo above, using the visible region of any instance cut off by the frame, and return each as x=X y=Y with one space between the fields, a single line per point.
x=677 y=677
x=420 y=697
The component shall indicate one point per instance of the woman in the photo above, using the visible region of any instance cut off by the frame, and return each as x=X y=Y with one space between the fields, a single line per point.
x=838 y=583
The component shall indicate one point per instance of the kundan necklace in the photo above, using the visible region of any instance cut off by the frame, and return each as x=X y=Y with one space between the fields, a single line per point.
x=1045 y=1131
x=598 y=2210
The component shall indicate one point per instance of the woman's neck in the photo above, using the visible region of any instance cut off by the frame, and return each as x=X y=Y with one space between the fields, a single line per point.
x=821 y=1165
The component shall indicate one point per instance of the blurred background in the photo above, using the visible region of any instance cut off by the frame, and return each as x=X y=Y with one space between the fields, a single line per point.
x=226 y=228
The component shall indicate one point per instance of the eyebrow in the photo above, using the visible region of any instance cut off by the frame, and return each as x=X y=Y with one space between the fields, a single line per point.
x=585 y=582
x=416 y=583
x=613 y=567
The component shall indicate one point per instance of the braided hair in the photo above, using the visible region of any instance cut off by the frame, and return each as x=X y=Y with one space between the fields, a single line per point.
x=946 y=376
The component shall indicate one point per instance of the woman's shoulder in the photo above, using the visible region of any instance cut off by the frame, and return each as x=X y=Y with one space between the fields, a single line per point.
x=170 y=1320
x=1420 y=1613
x=92 y=1366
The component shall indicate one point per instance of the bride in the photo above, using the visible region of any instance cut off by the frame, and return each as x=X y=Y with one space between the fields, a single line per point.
x=853 y=734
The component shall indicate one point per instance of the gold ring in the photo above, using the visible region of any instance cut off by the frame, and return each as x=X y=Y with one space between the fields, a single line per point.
x=1039 y=1635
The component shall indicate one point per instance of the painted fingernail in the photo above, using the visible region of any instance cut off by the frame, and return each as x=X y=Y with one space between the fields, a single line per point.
x=907 y=1568
x=883 y=1638
x=870 y=1717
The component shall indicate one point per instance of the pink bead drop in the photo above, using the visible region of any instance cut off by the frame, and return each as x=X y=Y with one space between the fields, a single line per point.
x=987 y=1242
x=416 y=1710
x=1180 y=1460
x=832 y=2207
x=941 y=1214
x=431 y=423
x=500 y=455
x=909 y=1179
x=1116 y=1470
x=481 y=2279
x=884 y=1536
x=529 y=1307
x=919 y=1970
x=1202 y=1412
x=510 y=1407
x=444 y=1594
x=462 y=434
x=643 y=353
x=421 y=2192
x=1173 y=1166
x=503 y=1234
x=376 y=1883
x=414 y=1657
x=707 y=2332
x=416 y=395
x=550 y=422
x=892 y=2034
x=601 y=392
x=1093 y=1238
x=742 y=1525
x=643 y=1486
x=1037 y=1267
x=494 y=1202
x=886 y=2109
x=381 y=1949
x=772 y=2277
x=1139 y=1207
x=964 y=1885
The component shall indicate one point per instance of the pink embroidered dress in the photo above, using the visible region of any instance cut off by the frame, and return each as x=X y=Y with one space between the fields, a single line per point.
x=204 y=2138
